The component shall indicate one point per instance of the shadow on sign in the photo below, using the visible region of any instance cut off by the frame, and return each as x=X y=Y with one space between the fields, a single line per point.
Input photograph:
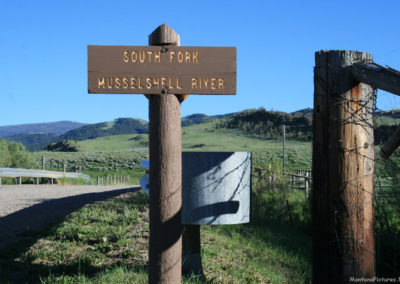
x=216 y=209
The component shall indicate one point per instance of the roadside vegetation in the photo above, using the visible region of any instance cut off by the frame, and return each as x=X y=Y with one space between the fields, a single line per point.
x=14 y=155
x=106 y=242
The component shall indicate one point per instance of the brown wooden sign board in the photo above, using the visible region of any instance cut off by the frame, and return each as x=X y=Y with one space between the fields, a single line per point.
x=161 y=70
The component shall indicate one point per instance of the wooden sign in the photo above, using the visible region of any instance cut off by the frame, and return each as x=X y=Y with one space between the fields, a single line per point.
x=161 y=70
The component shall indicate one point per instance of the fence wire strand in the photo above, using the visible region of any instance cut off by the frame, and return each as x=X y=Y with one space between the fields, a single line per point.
x=355 y=197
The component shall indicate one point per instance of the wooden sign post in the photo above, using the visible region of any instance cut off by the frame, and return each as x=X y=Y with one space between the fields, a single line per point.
x=163 y=71
x=165 y=247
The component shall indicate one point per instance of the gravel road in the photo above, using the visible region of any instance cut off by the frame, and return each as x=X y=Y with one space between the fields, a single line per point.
x=29 y=207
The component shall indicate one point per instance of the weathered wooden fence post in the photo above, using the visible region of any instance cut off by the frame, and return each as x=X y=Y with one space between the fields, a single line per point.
x=165 y=247
x=343 y=169
x=43 y=162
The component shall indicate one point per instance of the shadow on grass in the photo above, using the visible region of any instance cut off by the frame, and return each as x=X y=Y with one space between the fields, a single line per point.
x=273 y=233
x=22 y=229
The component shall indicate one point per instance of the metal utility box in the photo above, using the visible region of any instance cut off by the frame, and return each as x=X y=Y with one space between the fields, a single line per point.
x=216 y=188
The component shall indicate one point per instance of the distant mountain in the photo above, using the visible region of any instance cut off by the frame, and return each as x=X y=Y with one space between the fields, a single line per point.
x=58 y=127
x=37 y=136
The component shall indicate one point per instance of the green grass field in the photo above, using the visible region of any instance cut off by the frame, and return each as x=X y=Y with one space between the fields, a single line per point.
x=204 y=137
x=125 y=142
x=106 y=242
x=122 y=154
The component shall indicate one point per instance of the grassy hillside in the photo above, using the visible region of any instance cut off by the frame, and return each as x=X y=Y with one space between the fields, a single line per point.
x=116 y=127
x=206 y=137
x=34 y=141
x=269 y=124
x=201 y=118
x=115 y=143
x=252 y=122
x=389 y=117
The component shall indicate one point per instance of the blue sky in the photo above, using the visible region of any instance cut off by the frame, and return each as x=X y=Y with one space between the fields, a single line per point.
x=43 y=51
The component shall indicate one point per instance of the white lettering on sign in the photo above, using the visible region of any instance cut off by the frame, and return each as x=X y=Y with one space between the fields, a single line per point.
x=208 y=83
x=142 y=56
x=139 y=83
x=133 y=82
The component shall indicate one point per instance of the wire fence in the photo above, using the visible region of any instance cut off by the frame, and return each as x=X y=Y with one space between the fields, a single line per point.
x=368 y=198
x=360 y=207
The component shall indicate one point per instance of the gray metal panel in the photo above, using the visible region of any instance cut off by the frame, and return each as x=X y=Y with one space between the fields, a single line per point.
x=216 y=187
x=10 y=172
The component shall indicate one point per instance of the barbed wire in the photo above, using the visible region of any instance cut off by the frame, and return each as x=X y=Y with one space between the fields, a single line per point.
x=351 y=223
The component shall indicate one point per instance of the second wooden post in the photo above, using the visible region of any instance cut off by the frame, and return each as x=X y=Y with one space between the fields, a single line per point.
x=343 y=170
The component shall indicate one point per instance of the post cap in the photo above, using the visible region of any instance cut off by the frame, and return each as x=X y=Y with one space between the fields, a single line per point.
x=164 y=35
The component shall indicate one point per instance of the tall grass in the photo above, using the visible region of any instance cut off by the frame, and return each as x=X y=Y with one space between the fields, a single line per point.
x=107 y=242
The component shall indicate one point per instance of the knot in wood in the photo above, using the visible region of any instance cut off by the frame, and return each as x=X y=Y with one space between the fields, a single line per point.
x=164 y=91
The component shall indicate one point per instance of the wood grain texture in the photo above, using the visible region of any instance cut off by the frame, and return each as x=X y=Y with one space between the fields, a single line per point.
x=379 y=77
x=391 y=145
x=164 y=35
x=165 y=246
x=343 y=168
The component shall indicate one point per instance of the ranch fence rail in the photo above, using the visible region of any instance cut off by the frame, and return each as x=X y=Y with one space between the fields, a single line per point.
x=36 y=174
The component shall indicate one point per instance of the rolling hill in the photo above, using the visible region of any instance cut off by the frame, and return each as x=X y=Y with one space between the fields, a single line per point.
x=58 y=128
x=252 y=122
x=116 y=127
